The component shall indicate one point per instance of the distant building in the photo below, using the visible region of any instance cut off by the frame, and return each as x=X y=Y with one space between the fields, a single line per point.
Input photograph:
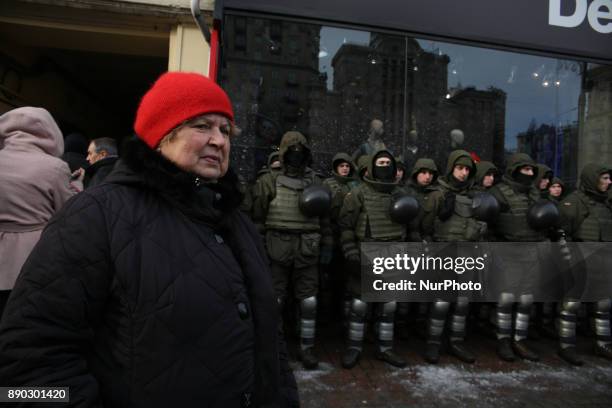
x=271 y=73
x=545 y=142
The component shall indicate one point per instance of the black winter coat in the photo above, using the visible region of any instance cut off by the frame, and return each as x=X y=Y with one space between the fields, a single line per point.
x=149 y=290
x=96 y=173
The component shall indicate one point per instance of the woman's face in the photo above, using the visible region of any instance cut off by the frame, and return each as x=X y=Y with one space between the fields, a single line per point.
x=200 y=146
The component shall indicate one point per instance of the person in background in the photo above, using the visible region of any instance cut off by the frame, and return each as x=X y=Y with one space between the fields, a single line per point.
x=587 y=218
x=486 y=175
x=402 y=172
x=102 y=155
x=34 y=182
x=340 y=183
x=152 y=289
x=449 y=217
x=543 y=178
x=556 y=189
x=75 y=151
x=295 y=237
x=364 y=217
x=518 y=270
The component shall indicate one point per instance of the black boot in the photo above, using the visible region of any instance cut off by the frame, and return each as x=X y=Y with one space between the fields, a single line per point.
x=390 y=357
x=432 y=353
x=570 y=355
x=504 y=349
x=350 y=358
x=308 y=358
x=604 y=351
x=457 y=349
x=523 y=351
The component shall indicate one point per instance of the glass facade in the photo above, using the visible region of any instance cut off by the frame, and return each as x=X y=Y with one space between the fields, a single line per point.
x=432 y=97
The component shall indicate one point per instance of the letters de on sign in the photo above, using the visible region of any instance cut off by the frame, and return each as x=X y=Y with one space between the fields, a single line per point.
x=599 y=14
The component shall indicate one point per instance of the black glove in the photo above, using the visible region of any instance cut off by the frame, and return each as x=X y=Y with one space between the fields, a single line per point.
x=448 y=207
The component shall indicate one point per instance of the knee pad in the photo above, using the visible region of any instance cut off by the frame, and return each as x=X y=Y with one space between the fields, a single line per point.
x=439 y=310
x=526 y=301
x=462 y=305
x=505 y=300
x=308 y=307
x=359 y=307
x=603 y=306
x=571 y=306
x=389 y=308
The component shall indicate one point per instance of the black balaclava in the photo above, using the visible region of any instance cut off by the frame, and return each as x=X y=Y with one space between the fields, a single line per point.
x=296 y=156
x=384 y=173
x=523 y=179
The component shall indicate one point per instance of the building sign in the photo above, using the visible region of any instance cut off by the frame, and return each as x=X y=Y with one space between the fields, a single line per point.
x=573 y=28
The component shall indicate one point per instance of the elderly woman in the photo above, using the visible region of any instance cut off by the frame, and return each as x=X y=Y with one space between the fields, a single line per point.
x=34 y=185
x=152 y=289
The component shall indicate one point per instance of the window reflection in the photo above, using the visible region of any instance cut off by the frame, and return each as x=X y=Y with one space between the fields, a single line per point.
x=431 y=97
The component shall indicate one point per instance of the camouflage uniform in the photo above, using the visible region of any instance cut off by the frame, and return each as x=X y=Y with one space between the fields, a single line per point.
x=444 y=222
x=339 y=186
x=364 y=217
x=292 y=239
x=587 y=217
x=520 y=269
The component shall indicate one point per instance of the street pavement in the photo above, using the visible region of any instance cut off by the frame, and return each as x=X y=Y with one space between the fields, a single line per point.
x=489 y=382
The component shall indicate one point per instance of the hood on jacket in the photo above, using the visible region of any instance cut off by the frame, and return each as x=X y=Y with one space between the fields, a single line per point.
x=362 y=164
x=292 y=138
x=26 y=128
x=454 y=157
x=339 y=158
x=272 y=157
x=424 y=164
x=76 y=143
x=543 y=172
x=589 y=178
x=483 y=168
x=373 y=158
x=557 y=180
x=518 y=160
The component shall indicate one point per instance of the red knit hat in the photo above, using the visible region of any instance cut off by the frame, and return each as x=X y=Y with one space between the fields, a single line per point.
x=174 y=98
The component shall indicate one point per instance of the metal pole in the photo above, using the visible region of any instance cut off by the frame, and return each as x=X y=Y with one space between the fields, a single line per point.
x=197 y=16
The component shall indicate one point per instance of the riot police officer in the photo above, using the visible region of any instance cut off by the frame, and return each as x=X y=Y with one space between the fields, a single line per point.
x=587 y=217
x=543 y=179
x=556 y=190
x=340 y=183
x=423 y=180
x=486 y=175
x=293 y=233
x=365 y=217
x=449 y=217
x=517 y=194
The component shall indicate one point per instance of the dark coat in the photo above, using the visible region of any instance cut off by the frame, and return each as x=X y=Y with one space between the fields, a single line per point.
x=149 y=290
x=97 y=172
